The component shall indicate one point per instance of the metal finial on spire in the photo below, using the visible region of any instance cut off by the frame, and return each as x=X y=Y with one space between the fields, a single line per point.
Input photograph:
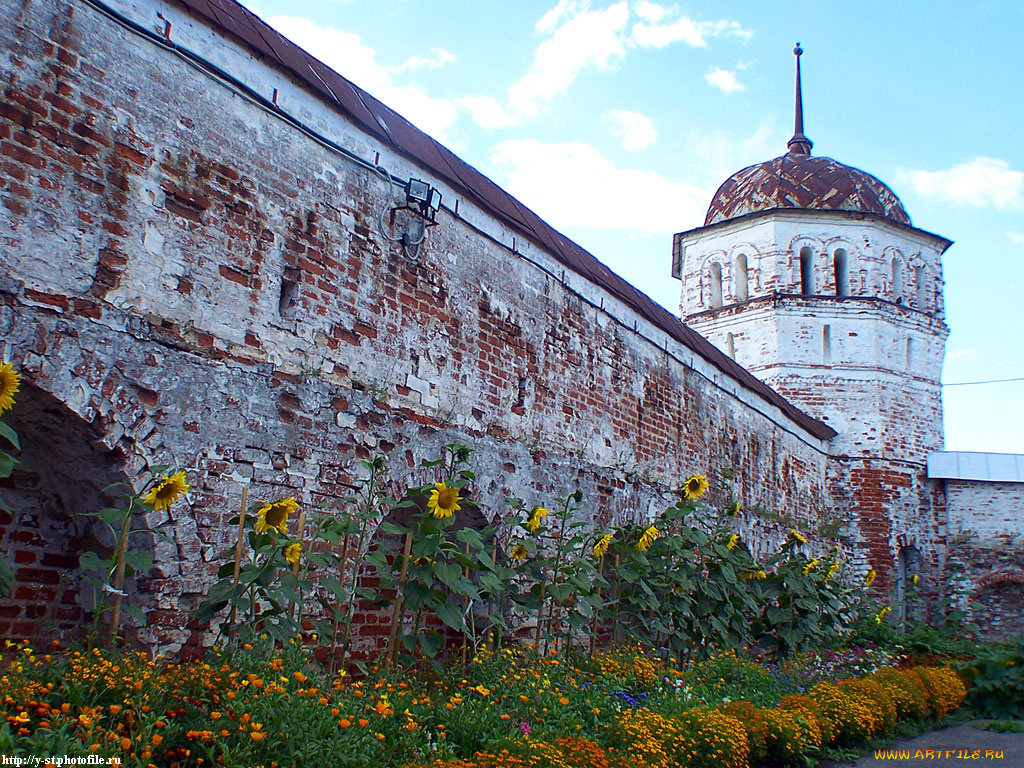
x=799 y=144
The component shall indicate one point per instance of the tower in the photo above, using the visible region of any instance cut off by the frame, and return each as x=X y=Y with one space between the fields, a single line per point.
x=809 y=273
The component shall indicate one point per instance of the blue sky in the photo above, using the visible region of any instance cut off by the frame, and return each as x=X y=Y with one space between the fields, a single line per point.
x=569 y=104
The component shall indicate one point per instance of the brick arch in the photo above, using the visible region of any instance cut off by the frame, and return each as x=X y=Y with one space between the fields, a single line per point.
x=65 y=467
x=998 y=604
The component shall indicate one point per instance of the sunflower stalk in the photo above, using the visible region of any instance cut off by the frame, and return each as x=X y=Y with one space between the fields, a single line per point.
x=238 y=549
x=120 y=564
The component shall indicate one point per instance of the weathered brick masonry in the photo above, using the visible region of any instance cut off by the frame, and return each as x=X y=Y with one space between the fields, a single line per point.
x=189 y=278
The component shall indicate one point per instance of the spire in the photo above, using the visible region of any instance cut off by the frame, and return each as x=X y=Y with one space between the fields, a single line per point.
x=799 y=144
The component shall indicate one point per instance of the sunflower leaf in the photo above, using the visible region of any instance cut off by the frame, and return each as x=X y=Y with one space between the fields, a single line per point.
x=10 y=435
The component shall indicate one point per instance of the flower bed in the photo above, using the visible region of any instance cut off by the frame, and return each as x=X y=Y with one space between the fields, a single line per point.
x=505 y=709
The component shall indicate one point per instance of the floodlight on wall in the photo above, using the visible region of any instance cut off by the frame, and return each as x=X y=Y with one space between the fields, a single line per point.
x=422 y=202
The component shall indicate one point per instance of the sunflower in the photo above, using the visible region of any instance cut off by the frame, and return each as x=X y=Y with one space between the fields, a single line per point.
x=810 y=565
x=519 y=552
x=881 y=614
x=533 y=523
x=797 y=536
x=831 y=570
x=293 y=552
x=444 y=501
x=695 y=487
x=602 y=544
x=732 y=541
x=10 y=381
x=870 y=578
x=647 y=538
x=167 y=491
x=914 y=579
x=734 y=509
x=274 y=516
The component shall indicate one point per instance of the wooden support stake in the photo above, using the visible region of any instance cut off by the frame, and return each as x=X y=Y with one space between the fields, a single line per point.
x=295 y=566
x=593 y=632
x=238 y=550
x=399 y=599
x=465 y=622
x=342 y=562
x=119 y=568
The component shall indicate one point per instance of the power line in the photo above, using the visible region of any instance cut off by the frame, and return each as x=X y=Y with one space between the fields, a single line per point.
x=990 y=381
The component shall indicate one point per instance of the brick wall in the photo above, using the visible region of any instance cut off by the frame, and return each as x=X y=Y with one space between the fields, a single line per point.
x=986 y=552
x=196 y=281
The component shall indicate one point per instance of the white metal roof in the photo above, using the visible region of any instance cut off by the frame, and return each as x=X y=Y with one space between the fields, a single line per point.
x=969 y=465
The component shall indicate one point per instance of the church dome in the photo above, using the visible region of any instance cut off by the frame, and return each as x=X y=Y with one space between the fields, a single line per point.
x=797 y=180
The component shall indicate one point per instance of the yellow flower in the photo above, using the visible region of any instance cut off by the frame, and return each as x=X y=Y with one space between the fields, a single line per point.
x=732 y=541
x=533 y=523
x=648 y=538
x=695 y=487
x=914 y=579
x=796 y=536
x=810 y=565
x=881 y=614
x=734 y=509
x=831 y=570
x=519 y=552
x=602 y=544
x=870 y=578
x=167 y=491
x=293 y=552
x=10 y=381
x=274 y=516
x=444 y=501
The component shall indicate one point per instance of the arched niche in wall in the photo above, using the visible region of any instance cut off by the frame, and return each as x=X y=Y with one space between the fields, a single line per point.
x=371 y=636
x=841 y=270
x=807 y=281
x=896 y=268
x=998 y=607
x=908 y=565
x=715 y=284
x=741 y=277
x=60 y=481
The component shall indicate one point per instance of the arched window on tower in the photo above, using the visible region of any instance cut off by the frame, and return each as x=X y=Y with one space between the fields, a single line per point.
x=741 y=277
x=897 y=279
x=716 y=285
x=919 y=291
x=806 y=271
x=842 y=272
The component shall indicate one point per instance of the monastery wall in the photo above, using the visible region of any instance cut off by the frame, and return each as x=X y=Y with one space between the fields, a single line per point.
x=191 y=278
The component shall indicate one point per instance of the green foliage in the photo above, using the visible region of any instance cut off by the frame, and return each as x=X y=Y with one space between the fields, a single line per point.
x=105 y=570
x=995 y=680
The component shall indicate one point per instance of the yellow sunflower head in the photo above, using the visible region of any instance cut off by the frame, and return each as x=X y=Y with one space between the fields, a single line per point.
x=274 y=516
x=293 y=552
x=519 y=552
x=734 y=509
x=602 y=544
x=810 y=565
x=648 y=537
x=695 y=487
x=914 y=579
x=162 y=495
x=732 y=541
x=870 y=578
x=444 y=501
x=533 y=522
x=10 y=382
x=797 y=536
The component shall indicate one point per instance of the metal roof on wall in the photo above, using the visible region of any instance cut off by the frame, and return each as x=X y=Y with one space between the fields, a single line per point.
x=393 y=130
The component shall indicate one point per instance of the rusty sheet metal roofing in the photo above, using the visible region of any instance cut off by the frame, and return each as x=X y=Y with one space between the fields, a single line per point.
x=803 y=181
x=392 y=129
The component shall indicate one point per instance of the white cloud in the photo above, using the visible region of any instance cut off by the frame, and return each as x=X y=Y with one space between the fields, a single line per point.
x=719 y=153
x=651 y=12
x=571 y=184
x=684 y=29
x=633 y=130
x=981 y=182
x=1016 y=237
x=586 y=39
x=439 y=58
x=578 y=38
x=346 y=53
x=724 y=80
x=487 y=111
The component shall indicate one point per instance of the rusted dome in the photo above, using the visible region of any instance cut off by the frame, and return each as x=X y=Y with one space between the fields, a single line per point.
x=803 y=181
